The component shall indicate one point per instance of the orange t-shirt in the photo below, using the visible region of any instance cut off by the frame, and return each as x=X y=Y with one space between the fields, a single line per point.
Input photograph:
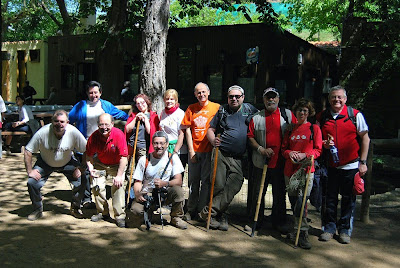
x=198 y=118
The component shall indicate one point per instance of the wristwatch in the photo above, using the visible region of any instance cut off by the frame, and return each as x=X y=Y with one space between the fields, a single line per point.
x=363 y=162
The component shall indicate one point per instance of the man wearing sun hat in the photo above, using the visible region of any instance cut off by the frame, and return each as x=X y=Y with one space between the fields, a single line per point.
x=265 y=136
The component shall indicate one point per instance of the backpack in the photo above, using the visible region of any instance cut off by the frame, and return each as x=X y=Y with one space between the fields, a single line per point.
x=223 y=114
x=350 y=111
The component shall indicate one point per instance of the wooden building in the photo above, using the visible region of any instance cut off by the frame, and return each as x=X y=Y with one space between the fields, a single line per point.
x=215 y=54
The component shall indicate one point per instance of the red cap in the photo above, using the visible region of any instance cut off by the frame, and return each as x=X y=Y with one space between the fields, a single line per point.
x=358 y=187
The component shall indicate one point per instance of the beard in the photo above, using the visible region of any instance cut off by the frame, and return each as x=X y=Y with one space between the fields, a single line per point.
x=271 y=106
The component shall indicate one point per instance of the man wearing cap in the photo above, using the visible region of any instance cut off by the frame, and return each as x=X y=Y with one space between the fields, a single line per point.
x=341 y=129
x=265 y=136
x=231 y=121
x=196 y=122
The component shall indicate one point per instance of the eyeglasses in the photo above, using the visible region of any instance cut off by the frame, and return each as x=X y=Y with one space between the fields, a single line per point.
x=104 y=125
x=159 y=143
x=235 y=96
x=140 y=103
x=303 y=111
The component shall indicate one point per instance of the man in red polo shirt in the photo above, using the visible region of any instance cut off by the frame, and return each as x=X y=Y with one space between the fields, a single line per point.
x=110 y=162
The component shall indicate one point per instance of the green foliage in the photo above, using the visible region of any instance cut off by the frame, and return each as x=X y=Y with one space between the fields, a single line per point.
x=208 y=16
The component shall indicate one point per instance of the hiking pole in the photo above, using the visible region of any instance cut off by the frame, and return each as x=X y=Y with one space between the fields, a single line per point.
x=159 y=203
x=304 y=201
x=212 y=184
x=132 y=163
x=264 y=174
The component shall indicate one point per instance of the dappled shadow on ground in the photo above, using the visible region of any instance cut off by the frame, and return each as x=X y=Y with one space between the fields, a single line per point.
x=58 y=239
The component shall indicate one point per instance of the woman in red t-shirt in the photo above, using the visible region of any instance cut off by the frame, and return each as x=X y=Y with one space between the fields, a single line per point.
x=301 y=141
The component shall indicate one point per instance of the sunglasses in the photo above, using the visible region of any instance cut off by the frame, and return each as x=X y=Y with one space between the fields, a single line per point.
x=235 y=96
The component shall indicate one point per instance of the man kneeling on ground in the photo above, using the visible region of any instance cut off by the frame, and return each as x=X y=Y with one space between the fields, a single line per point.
x=159 y=171
x=109 y=144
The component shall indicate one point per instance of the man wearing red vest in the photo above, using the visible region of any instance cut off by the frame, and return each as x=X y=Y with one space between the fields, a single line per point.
x=340 y=131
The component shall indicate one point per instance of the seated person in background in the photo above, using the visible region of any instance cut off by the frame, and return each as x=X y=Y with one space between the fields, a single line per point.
x=52 y=96
x=24 y=116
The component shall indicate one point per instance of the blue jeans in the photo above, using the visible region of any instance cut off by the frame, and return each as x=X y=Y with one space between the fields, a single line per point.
x=339 y=181
x=45 y=170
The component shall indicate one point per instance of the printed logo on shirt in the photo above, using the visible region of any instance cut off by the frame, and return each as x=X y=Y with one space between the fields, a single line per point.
x=200 y=122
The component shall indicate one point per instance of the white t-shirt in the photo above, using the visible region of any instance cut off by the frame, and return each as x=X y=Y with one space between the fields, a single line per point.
x=25 y=114
x=55 y=152
x=155 y=168
x=94 y=110
x=171 y=124
x=361 y=127
x=2 y=108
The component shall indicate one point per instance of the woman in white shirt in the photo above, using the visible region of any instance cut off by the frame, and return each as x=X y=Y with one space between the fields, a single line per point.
x=24 y=115
x=170 y=122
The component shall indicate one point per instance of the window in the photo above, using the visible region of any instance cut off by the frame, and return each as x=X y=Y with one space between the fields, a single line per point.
x=34 y=55
x=215 y=82
x=246 y=78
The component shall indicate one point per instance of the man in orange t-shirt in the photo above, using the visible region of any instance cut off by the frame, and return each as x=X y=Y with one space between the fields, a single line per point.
x=196 y=122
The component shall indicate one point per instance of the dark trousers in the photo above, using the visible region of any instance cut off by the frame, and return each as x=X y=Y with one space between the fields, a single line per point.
x=339 y=181
x=276 y=178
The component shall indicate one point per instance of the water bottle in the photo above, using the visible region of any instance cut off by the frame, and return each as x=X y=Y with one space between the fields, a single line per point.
x=334 y=152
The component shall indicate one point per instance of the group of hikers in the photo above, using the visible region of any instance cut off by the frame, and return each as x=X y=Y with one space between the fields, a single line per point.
x=144 y=164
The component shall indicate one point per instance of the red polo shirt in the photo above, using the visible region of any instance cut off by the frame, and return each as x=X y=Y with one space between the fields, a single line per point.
x=109 y=151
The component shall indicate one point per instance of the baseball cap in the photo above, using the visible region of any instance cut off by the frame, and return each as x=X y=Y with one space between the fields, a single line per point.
x=358 y=187
x=271 y=89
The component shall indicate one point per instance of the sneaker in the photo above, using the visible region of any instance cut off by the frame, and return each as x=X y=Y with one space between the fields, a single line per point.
x=89 y=205
x=99 y=217
x=325 y=237
x=304 y=243
x=179 y=223
x=121 y=223
x=76 y=212
x=223 y=223
x=38 y=213
x=344 y=238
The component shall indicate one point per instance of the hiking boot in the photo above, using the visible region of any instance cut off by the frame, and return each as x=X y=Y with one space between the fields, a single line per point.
x=99 y=217
x=76 y=212
x=179 y=223
x=291 y=236
x=344 y=238
x=223 y=223
x=214 y=224
x=325 y=237
x=38 y=213
x=121 y=223
x=303 y=240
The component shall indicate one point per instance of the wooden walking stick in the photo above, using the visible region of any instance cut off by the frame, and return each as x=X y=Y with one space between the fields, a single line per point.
x=304 y=201
x=264 y=175
x=132 y=162
x=212 y=184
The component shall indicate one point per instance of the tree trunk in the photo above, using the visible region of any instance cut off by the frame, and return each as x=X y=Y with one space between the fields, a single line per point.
x=154 y=44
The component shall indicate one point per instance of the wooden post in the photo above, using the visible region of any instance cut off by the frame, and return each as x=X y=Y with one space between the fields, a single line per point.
x=364 y=216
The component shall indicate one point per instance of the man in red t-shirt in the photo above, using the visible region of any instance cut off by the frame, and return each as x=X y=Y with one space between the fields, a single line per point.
x=265 y=134
x=110 y=162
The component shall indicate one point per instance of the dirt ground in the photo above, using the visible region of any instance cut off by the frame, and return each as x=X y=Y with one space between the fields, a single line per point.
x=60 y=240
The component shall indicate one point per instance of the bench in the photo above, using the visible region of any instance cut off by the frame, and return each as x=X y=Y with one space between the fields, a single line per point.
x=15 y=133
